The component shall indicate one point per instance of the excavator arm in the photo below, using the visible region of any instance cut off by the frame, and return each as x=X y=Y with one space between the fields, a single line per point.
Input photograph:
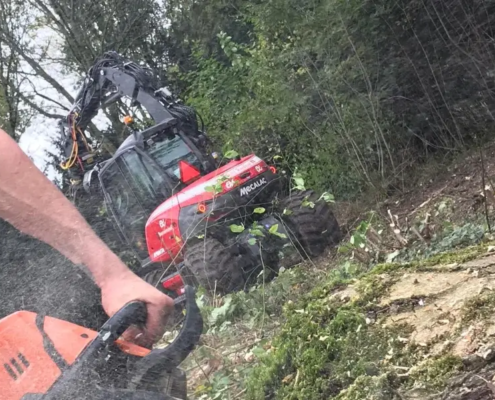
x=111 y=78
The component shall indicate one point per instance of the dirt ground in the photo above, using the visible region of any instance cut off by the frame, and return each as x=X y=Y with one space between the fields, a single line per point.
x=461 y=180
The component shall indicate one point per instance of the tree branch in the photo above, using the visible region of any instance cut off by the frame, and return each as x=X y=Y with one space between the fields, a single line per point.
x=47 y=98
x=37 y=67
x=38 y=108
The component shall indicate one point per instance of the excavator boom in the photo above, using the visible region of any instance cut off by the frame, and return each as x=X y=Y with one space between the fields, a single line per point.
x=110 y=79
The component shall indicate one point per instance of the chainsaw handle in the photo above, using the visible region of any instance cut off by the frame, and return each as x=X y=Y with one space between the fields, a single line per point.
x=176 y=352
x=188 y=336
x=133 y=313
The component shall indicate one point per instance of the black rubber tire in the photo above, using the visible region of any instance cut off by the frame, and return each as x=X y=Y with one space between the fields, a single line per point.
x=313 y=229
x=177 y=315
x=153 y=277
x=217 y=268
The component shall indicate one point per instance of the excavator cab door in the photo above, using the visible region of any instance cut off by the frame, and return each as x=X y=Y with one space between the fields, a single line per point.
x=133 y=187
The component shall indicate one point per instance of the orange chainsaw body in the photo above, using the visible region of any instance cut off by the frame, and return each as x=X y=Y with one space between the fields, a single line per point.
x=25 y=365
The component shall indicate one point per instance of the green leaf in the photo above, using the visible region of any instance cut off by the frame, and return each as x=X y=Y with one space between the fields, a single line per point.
x=307 y=203
x=287 y=211
x=252 y=241
x=259 y=210
x=226 y=146
x=274 y=231
x=298 y=181
x=200 y=236
x=258 y=351
x=236 y=228
x=327 y=197
x=231 y=154
x=256 y=232
x=345 y=248
x=280 y=235
x=277 y=157
x=221 y=311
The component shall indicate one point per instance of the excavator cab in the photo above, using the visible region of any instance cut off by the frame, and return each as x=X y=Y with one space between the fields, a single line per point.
x=145 y=171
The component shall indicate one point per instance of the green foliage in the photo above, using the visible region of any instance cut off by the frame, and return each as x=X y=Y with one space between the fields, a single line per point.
x=308 y=203
x=236 y=228
x=358 y=238
x=450 y=238
x=250 y=307
x=231 y=154
x=379 y=387
x=217 y=187
x=328 y=345
x=298 y=181
x=218 y=389
x=347 y=92
x=478 y=308
x=327 y=197
x=346 y=271
x=274 y=231
x=257 y=230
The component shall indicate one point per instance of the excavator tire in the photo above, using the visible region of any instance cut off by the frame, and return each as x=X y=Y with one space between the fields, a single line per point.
x=153 y=277
x=313 y=229
x=219 y=269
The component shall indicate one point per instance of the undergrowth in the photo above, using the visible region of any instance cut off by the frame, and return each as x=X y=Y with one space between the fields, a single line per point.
x=324 y=346
x=479 y=307
x=259 y=302
x=434 y=373
x=308 y=343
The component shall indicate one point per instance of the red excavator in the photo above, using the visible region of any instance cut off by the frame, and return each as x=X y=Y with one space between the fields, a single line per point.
x=43 y=358
x=217 y=220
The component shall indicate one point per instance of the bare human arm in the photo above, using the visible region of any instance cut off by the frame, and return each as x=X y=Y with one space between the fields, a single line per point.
x=35 y=206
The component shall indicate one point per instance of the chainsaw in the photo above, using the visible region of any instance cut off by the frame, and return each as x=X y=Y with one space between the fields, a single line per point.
x=44 y=358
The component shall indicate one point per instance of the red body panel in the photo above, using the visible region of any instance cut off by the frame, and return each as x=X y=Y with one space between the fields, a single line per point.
x=25 y=367
x=163 y=235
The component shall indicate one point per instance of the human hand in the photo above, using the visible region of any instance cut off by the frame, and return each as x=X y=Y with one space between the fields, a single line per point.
x=126 y=287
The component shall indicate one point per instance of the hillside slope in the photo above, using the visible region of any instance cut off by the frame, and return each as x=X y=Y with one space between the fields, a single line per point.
x=404 y=309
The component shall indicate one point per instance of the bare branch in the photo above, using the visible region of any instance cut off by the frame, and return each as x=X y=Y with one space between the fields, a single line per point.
x=34 y=106
x=36 y=66
x=48 y=98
